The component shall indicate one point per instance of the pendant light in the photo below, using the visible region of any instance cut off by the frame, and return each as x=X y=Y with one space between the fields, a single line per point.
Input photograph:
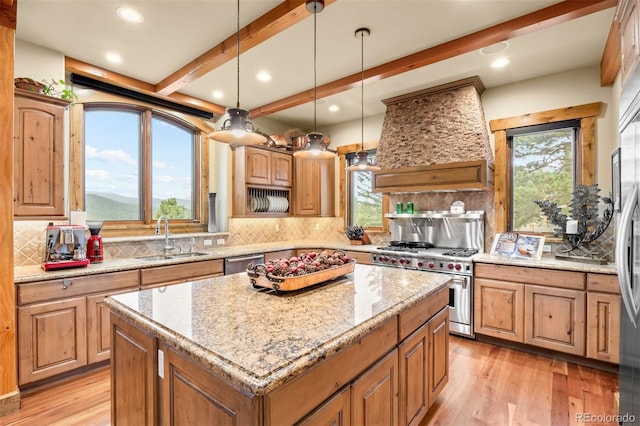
x=315 y=146
x=237 y=129
x=362 y=164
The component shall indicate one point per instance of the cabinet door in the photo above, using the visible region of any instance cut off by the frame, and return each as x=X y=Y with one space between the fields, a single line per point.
x=98 y=327
x=281 y=169
x=307 y=187
x=191 y=395
x=39 y=156
x=499 y=309
x=335 y=412
x=603 y=327
x=629 y=40
x=438 y=370
x=414 y=376
x=375 y=394
x=555 y=319
x=52 y=338
x=258 y=166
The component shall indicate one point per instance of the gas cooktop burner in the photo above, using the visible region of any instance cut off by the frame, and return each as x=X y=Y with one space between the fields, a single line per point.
x=410 y=246
x=460 y=252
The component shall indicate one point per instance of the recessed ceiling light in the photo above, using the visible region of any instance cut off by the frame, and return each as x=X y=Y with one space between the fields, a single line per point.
x=263 y=76
x=114 y=58
x=494 y=49
x=334 y=108
x=500 y=63
x=217 y=94
x=129 y=14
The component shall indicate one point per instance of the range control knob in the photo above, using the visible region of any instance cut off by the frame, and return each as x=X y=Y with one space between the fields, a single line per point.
x=458 y=266
x=430 y=265
x=420 y=263
x=393 y=260
x=450 y=266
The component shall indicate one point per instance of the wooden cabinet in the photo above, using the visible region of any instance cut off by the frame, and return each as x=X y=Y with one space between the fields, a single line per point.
x=423 y=368
x=629 y=34
x=52 y=339
x=335 y=412
x=603 y=318
x=62 y=325
x=499 y=309
x=279 y=254
x=555 y=319
x=39 y=155
x=566 y=311
x=313 y=187
x=180 y=273
x=375 y=394
x=260 y=173
x=361 y=256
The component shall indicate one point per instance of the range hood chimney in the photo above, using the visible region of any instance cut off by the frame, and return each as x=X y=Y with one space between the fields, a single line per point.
x=435 y=140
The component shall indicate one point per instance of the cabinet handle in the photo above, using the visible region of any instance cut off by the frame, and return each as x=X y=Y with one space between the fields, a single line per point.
x=66 y=282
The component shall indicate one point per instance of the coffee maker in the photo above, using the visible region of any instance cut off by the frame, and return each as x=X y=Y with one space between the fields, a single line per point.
x=94 y=243
x=65 y=247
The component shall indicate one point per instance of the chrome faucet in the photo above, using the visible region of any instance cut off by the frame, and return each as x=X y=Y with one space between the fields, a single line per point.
x=167 y=245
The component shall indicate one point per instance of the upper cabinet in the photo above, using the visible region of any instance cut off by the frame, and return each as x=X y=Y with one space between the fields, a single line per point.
x=314 y=187
x=629 y=33
x=39 y=155
x=262 y=180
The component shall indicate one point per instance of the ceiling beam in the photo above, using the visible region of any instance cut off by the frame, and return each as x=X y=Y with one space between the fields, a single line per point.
x=278 y=19
x=101 y=74
x=535 y=21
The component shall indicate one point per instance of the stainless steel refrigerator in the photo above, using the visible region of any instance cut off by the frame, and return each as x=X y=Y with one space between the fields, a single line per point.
x=626 y=181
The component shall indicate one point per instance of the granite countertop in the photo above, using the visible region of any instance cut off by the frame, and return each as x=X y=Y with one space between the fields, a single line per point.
x=259 y=340
x=23 y=274
x=549 y=263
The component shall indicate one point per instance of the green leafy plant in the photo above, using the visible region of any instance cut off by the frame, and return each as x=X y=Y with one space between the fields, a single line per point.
x=584 y=209
x=51 y=88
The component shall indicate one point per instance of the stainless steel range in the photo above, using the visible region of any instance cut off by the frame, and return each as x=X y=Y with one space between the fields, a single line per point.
x=443 y=242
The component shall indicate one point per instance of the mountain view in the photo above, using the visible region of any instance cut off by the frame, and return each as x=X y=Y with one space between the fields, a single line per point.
x=110 y=206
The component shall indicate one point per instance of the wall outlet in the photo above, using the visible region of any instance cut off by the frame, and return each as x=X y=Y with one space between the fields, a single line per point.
x=220 y=241
x=208 y=242
x=277 y=227
x=546 y=248
x=317 y=226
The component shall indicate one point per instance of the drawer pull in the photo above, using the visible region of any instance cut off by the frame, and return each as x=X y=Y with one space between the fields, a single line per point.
x=66 y=282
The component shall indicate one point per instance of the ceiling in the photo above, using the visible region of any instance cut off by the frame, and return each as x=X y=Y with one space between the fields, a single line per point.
x=279 y=40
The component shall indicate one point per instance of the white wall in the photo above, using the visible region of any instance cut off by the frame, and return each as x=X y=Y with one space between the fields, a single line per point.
x=37 y=62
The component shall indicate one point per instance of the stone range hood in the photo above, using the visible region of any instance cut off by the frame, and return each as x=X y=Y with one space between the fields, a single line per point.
x=435 y=140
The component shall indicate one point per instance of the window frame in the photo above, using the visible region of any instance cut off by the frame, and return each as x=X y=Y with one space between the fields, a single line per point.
x=345 y=185
x=200 y=167
x=585 y=155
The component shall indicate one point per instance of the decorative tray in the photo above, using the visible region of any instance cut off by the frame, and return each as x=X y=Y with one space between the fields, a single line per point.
x=262 y=276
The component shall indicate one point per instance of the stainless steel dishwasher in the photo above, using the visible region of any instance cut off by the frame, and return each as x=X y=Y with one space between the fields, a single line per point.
x=233 y=265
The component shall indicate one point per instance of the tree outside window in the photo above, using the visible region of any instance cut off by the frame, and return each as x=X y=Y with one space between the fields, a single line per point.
x=365 y=207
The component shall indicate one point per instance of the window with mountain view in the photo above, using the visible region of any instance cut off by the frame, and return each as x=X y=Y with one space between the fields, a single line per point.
x=543 y=167
x=137 y=159
x=365 y=207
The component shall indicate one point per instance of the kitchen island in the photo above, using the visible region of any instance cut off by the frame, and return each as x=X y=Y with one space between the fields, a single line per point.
x=370 y=346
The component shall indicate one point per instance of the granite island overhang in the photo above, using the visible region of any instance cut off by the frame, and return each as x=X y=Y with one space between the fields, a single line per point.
x=257 y=341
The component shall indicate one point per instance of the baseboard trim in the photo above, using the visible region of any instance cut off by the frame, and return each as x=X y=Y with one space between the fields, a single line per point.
x=9 y=403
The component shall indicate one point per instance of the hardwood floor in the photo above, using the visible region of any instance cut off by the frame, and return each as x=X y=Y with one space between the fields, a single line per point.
x=488 y=385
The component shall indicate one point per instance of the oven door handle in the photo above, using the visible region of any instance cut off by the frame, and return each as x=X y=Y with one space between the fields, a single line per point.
x=461 y=281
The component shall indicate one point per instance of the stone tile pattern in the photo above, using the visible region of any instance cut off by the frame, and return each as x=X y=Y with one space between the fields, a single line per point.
x=438 y=128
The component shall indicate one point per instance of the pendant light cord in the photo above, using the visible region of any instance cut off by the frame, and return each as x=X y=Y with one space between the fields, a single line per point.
x=362 y=89
x=238 y=56
x=315 y=77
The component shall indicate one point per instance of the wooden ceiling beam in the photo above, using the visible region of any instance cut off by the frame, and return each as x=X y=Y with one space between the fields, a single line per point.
x=278 y=19
x=101 y=74
x=534 y=21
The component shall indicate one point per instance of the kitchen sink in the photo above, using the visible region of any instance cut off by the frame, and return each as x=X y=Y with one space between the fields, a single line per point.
x=154 y=257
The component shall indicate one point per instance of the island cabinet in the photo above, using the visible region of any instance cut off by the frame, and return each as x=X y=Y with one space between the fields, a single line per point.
x=313 y=187
x=566 y=311
x=63 y=324
x=39 y=154
x=260 y=173
x=390 y=375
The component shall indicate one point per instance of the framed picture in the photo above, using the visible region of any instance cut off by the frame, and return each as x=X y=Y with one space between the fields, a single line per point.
x=615 y=179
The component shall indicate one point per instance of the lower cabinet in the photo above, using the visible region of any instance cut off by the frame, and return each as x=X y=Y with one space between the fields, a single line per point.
x=603 y=317
x=499 y=309
x=375 y=394
x=335 y=412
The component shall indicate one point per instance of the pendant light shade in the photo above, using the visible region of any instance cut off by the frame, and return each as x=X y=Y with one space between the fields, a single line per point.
x=315 y=146
x=362 y=164
x=237 y=129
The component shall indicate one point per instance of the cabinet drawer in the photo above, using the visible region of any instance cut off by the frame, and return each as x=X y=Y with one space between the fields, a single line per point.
x=603 y=282
x=44 y=291
x=172 y=274
x=362 y=257
x=526 y=275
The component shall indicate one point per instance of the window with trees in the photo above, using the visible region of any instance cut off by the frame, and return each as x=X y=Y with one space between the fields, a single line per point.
x=542 y=168
x=530 y=160
x=139 y=164
x=364 y=206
